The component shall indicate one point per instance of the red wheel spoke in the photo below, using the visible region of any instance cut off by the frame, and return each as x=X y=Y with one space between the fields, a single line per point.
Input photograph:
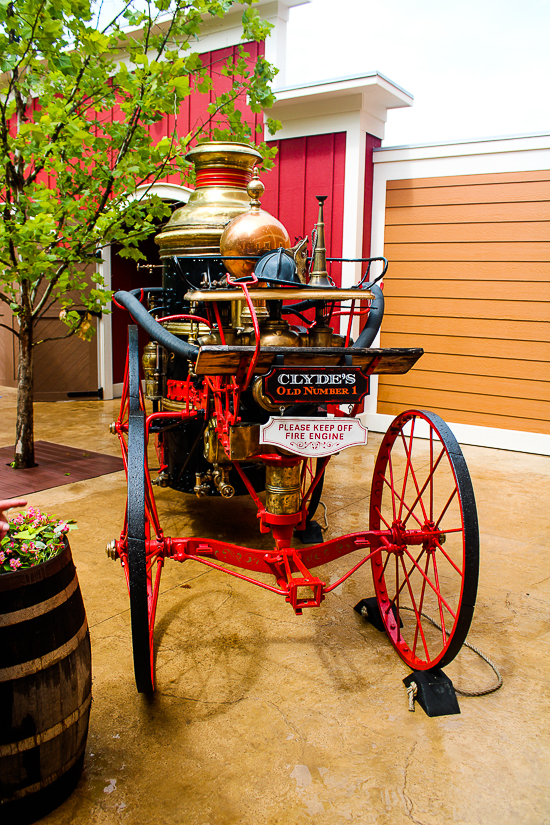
x=437 y=593
x=385 y=480
x=441 y=616
x=408 y=452
x=420 y=606
x=416 y=613
x=449 y=559
x=453 y=494
x=392 y=487
x=382 y=518
x=431 y=475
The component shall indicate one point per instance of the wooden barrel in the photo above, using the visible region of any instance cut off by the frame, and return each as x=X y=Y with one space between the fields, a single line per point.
x=45 y=688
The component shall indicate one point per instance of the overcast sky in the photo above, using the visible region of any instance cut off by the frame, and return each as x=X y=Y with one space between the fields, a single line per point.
x=476 y=68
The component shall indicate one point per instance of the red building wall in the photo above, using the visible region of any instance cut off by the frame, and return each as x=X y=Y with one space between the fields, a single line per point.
x=306 y=167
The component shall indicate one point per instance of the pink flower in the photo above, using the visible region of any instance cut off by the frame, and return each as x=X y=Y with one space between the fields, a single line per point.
x=2 y=557
x=15 y=563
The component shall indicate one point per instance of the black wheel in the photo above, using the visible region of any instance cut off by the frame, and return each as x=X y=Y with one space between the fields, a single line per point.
x=143 y=572
x=422 y=497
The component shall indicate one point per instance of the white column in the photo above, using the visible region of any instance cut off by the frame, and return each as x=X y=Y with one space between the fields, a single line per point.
x=275 y=44
x=104 y=336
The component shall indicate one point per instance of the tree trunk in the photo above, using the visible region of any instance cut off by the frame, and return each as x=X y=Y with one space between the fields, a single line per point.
x=24 y=438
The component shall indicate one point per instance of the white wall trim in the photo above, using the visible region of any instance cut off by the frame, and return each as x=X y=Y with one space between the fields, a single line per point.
x=104 y=332
x=516 y=440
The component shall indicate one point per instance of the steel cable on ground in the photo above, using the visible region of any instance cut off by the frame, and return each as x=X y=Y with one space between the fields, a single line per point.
x=476 y=650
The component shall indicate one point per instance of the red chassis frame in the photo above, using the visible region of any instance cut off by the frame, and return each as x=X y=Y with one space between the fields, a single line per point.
x=404 y=579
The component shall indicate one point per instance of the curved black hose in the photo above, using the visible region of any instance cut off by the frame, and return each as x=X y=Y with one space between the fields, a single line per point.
x=370 y=330
x=156 y=331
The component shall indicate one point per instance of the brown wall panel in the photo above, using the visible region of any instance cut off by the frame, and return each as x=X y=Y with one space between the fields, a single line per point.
x=471 y=193
x=485 y=290
x=469 y=280
x=495 y=348
x=481 y=419
x=470 y=270
x=432 y=398
x=468 y=251
x=418 y=326
x=471 y=365
x=462 y=180
x=468 y=232
x=502 y=389
x=455 y=308
x=468 y=213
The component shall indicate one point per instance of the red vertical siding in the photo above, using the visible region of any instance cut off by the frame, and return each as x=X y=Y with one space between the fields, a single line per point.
x=306 y=167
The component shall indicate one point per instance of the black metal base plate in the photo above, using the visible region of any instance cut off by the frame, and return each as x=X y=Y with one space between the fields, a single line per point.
x=372 y=614
x=311 y=535
x=435 y=692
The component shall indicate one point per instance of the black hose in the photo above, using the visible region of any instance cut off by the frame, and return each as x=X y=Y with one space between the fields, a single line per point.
x=156 y=331
x=376 y=313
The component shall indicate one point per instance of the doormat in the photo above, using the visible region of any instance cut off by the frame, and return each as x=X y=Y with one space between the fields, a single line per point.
x=57 y=465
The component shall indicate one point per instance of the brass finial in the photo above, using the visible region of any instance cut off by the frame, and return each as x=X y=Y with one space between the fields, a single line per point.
x=319 y=275
x=255 y=189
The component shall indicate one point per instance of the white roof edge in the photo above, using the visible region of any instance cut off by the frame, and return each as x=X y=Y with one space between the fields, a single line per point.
x=166 y=18
x=464 y=141
x=345 y=82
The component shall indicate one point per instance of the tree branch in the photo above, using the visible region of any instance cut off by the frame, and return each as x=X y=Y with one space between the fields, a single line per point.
x=11 y=329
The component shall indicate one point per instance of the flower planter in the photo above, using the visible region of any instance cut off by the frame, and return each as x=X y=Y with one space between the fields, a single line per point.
x=45 y=687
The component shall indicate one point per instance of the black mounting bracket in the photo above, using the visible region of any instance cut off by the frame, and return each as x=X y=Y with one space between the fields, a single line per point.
x=434 y=692
x=368 y=608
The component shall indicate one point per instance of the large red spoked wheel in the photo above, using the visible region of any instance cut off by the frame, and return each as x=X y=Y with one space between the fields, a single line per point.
x=428 y=563
x=142 y=568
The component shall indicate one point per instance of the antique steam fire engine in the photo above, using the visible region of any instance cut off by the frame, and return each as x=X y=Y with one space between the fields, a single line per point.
x=252 y=389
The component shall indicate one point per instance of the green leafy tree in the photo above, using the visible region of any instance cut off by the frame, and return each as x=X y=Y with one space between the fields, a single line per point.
x=76 y=107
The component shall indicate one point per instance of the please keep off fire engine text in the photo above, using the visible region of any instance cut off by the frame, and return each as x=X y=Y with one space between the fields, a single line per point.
x=313 y=431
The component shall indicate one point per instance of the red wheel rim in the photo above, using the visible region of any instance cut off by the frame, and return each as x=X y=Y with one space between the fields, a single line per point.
x=422 y=497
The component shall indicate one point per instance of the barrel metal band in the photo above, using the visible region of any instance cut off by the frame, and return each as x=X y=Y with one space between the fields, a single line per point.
x=30 y=789
x=14 y=748
x=43 y=662
x=39 y=609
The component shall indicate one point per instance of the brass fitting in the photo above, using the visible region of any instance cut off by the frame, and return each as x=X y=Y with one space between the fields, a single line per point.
x=111 y=550
x=282 y=489
x=220 y=477
x=150 y=369
x=112 y=428
x=202 y=486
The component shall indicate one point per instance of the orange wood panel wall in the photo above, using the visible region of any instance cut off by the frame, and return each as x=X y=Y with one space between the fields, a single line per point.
x=469 y=281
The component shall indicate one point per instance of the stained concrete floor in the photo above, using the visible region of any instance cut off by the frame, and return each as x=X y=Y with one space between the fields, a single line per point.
x=264 y=717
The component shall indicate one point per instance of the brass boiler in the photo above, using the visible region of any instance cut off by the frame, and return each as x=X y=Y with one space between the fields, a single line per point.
x=223 y=171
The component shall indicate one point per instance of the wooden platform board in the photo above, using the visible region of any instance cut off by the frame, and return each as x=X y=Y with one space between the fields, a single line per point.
x=223 y=360
x=57 y=465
